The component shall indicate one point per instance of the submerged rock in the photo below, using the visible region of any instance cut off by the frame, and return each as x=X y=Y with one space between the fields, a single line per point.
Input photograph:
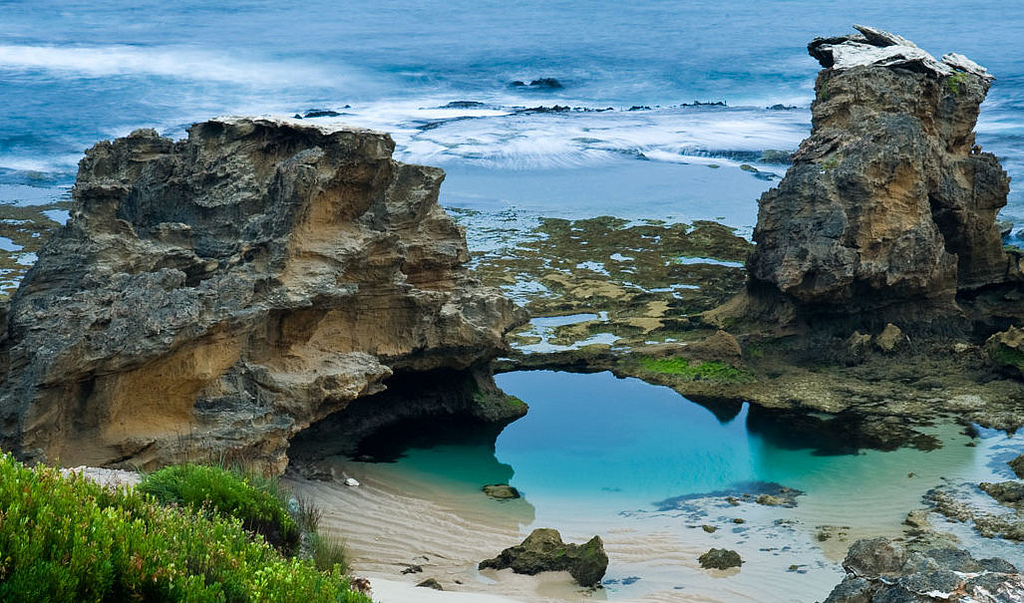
x=544 y=551
x=720 y=559
x=1017 y=465
x=1010 y=494
x=957 y=507
x=212 y=297
x=889 y=207
x=883 y=570
x=500 y=491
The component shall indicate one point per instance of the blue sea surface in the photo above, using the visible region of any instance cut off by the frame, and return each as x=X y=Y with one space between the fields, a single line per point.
x=74 y=72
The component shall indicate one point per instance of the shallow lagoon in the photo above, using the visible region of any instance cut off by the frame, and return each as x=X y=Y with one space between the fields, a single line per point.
x=645 y=468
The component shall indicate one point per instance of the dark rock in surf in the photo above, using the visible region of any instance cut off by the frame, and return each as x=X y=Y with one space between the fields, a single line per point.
x=320 y=113
x=463 y=105
x=544 y=83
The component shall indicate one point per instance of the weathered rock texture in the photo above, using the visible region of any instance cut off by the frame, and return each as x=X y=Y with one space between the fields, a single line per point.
x=213 y=296
x=881 y=570
x=720 y=559
x=544 y=551
x=889 y=207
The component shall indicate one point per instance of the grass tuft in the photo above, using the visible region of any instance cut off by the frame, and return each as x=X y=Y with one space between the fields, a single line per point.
x=329 y=552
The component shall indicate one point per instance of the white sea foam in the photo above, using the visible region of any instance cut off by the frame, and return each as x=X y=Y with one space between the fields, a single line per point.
x=507 y=137
x=167 y=61
x=39 y=164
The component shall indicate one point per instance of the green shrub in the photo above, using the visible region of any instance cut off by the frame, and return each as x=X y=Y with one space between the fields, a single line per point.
x=250 y=498
x=68 y=539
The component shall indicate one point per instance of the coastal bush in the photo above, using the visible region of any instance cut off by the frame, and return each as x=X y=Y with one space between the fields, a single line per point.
x=250 y=498
x=710 y=371
x=69 y=539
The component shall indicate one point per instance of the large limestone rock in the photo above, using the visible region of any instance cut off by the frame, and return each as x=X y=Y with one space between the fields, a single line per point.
x=889 y=208
x=214 y=296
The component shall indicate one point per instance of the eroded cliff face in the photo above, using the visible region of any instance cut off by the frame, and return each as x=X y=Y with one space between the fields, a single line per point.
x=889 y=208
x=214 y=296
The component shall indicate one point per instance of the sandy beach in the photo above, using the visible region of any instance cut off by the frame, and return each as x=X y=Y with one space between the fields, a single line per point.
x=388 y=530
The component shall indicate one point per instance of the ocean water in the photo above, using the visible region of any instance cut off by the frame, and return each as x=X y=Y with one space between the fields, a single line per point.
x=639 y=464
x=74 y=72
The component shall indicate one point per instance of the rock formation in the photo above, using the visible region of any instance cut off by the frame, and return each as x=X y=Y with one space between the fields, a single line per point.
x=881 y=570
x=889 y=207
x=544 y=551
x=721 y=559
x=212 y=297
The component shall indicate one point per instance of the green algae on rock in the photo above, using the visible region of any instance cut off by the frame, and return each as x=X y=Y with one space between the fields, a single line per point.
x=544 y=551
x=27 y=227
x=646 y=277
x=720 y=559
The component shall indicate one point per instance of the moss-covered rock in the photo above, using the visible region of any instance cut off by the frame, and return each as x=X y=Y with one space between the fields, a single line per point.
x=544 y=551
x=720 y=559
x=1006 y=349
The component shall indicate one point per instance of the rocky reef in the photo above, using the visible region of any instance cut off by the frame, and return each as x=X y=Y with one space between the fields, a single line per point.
x=215 y=296
x=888 y=210
x=883 y=570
